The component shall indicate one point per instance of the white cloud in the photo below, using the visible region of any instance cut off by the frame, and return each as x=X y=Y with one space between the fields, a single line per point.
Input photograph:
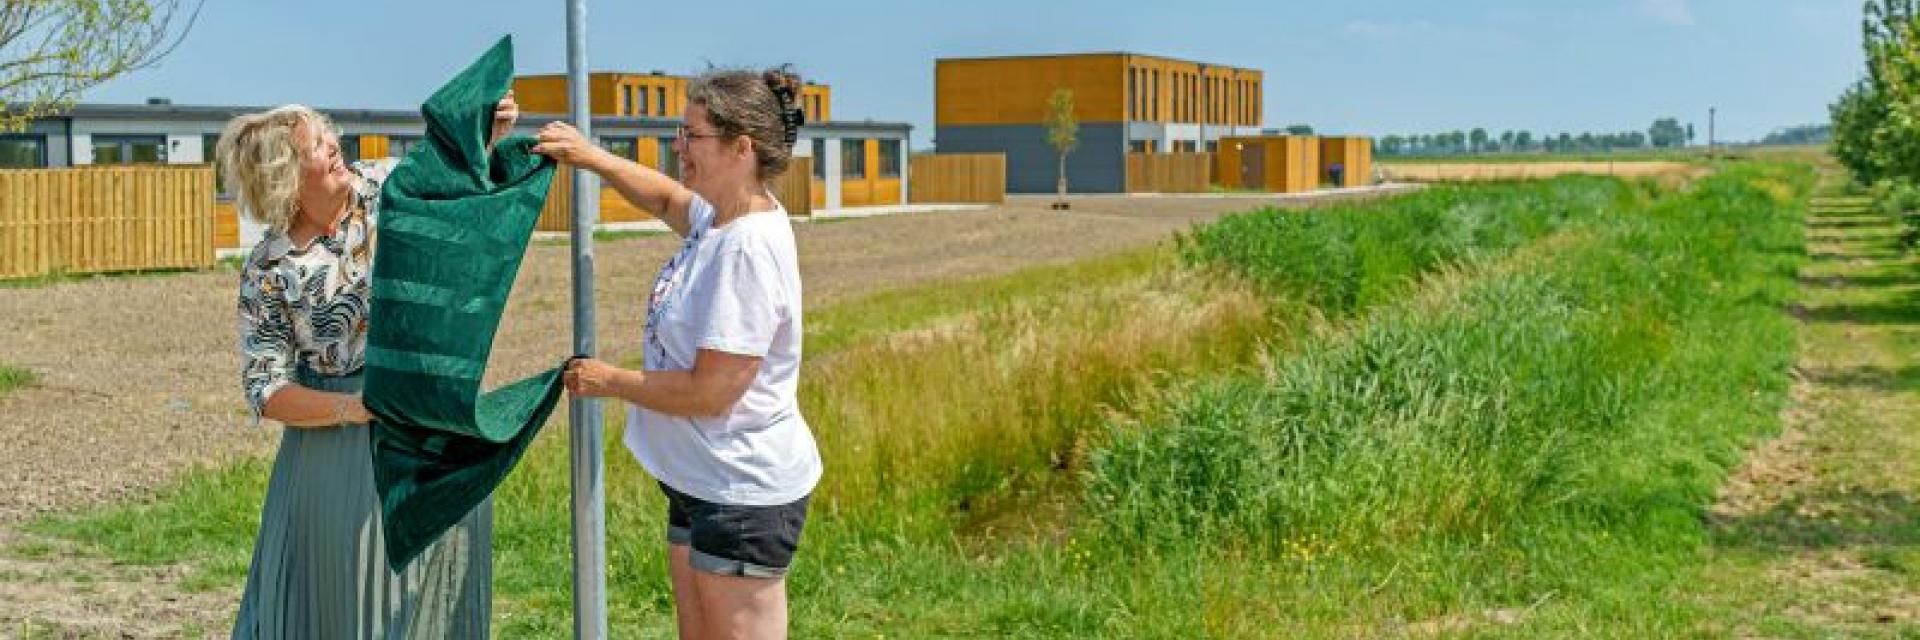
x=1670 y=12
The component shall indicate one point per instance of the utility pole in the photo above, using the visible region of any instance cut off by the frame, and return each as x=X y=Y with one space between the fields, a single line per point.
x=583 y=414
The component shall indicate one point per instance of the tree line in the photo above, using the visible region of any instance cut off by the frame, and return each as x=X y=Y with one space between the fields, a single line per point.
x=1664 y=133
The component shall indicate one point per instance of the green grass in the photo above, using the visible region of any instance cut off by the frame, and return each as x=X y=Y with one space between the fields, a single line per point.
x=12 y=377
x=1506 y=398
x=1540 y=436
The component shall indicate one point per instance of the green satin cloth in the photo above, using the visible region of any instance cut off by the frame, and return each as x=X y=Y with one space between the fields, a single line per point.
x=454 y=224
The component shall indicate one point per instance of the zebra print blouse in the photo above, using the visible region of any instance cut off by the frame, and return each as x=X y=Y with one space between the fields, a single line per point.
x=308 y=305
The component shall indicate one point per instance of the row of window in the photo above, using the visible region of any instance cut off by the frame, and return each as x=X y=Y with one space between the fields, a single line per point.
x=1179 y=146
x=1189 y=97
x=30 y=151
x=638 y=103
x=853 y=156
x=19 y=151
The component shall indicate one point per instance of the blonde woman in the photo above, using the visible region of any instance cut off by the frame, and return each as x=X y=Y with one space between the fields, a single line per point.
x=319 y=568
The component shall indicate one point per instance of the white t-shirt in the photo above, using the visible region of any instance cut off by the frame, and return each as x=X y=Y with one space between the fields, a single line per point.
x=734 y=289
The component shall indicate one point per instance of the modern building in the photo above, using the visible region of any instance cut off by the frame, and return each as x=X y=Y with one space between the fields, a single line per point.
x=864 y=163
x=855 y=164
x=1124 y=103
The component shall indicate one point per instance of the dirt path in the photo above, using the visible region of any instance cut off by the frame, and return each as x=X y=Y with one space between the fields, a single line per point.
x=137 y=375
x=1818 y=534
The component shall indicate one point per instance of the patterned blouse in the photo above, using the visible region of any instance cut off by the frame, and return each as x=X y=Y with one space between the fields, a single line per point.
x=308 y=305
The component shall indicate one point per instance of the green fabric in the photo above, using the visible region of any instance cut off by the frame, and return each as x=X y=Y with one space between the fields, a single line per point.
x=454 y=224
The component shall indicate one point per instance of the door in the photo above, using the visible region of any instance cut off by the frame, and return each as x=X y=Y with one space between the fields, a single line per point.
x=1253 y=166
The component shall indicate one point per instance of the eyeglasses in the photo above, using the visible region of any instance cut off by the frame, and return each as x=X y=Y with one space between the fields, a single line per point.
x=689 y=135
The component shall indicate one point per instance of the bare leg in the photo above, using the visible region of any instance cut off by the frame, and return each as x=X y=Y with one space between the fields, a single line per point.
x=744 y=608
x=686 y=594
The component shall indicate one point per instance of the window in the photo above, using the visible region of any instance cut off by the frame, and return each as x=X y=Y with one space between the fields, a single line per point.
x=1183 y=146
x=889 y=158
x=820 y=158
x=349 y=149
x=669 y=161
x=129 y=149
x=660 y=94
x=629 y=106
x=1213 y=146
x=22 y=151
x=1139 y=146
x=398 y=146
x=628 y=148
x=853 y=158
x=1133 y=94
x=208 y=143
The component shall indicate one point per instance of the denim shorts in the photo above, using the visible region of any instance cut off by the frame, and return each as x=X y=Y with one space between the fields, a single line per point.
x=736 y=540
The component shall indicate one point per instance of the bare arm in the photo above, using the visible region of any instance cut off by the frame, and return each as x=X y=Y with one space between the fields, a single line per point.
x=298 y=406
x=717 y=381
x=646 y=188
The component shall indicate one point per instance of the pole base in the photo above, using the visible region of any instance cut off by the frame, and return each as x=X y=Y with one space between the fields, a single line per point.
x=1060 y=205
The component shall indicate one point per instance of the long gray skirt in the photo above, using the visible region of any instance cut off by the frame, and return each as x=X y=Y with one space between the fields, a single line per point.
x=320 y=567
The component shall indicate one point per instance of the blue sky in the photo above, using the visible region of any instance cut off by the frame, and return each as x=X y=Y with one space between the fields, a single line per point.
x=1389 y=66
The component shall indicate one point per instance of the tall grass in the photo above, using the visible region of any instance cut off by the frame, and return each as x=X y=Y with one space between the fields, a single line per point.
x=1351 y=257
x=1495 y=432
x=1136 y=448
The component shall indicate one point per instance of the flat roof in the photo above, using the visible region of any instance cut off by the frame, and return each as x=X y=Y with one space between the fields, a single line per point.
x=175 y=113
x=1091 y=54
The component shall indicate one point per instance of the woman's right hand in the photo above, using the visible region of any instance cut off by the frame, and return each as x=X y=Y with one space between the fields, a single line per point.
x=563 y=143
x=356 y=411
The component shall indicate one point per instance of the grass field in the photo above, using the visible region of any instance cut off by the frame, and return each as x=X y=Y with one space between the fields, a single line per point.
x=1484 y=410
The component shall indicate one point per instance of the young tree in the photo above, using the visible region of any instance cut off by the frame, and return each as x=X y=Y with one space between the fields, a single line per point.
x=1063 y=134
x=52 y=50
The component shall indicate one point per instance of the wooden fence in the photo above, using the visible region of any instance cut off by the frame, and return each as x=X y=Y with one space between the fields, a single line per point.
x=98 y=219
x=794 y=189
x=958 y=177
x=1169 y=172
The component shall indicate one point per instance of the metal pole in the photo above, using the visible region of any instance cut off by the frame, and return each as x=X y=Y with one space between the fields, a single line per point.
x=589 y=491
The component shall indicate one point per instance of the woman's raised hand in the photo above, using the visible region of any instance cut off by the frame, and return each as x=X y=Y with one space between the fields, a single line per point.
x=505 y=113
x=563 y=143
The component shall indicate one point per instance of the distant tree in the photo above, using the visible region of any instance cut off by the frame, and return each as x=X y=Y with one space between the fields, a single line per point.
x=1566 y=142
x=1063 y=134
x=1506 y=140
x=1299 y=130
x=1477 y=140
x=1800 y=134
x=1666 y=133
x=1690 y=133
x=53 y=50
x=1523 y=140
x=1388 y=145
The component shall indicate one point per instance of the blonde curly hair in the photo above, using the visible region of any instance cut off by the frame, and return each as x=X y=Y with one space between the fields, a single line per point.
x=261 y=160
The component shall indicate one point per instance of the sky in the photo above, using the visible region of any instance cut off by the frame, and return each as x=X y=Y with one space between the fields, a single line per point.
x=1376 y=68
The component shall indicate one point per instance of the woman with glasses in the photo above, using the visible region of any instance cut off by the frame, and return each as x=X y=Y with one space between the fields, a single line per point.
x=713 y=414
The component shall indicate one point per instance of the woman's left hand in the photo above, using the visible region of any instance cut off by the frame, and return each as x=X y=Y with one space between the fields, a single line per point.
x=591 y=378
x=505 y=114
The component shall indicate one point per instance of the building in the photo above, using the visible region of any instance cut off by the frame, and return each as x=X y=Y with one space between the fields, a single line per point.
x=854 y=164
x=864 y=163
x=1124 y=103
